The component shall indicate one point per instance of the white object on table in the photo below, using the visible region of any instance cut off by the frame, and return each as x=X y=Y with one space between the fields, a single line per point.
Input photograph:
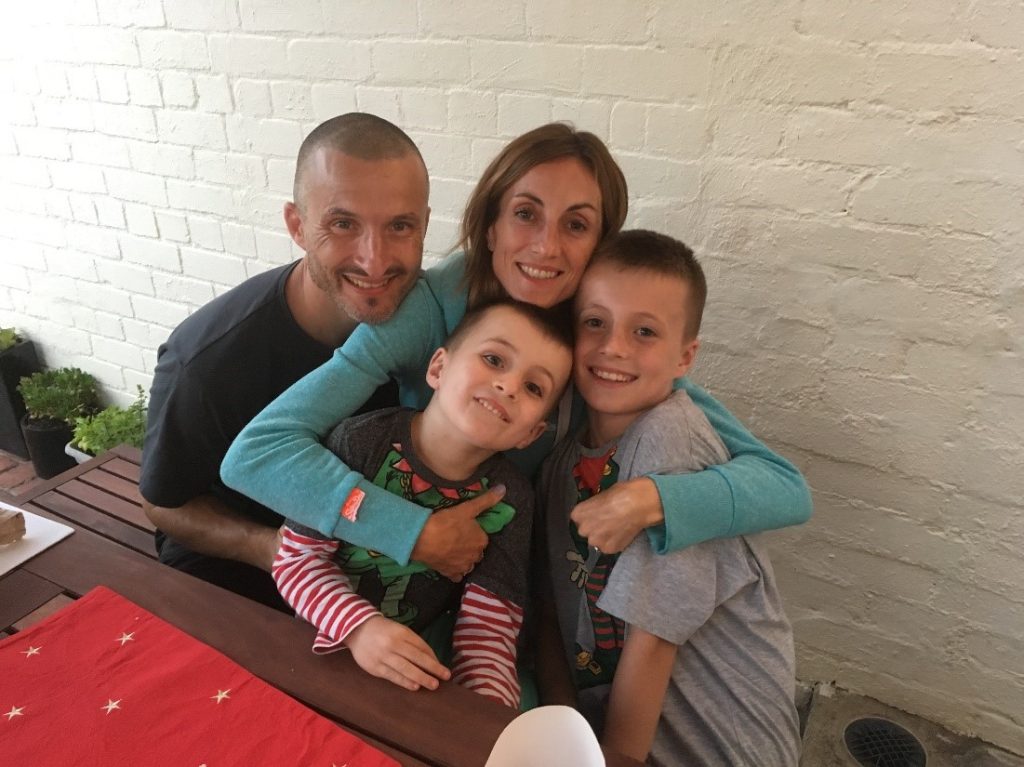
x=40 y=534
x=548 y=736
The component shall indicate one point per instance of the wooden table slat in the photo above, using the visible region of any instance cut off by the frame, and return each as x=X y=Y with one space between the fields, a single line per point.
x=21 y=593
x=125 y=469
x=44 y=611
x=84 y=491
x=68 y=510
x=103 y=479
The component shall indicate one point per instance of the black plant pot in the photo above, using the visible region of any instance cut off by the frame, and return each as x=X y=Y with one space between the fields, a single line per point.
x=18 y=361
x=46 y=439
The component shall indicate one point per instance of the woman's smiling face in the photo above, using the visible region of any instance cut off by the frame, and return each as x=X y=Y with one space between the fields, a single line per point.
x=548 y=224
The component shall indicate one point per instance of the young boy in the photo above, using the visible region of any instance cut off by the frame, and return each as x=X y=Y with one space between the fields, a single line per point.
x=500 y=373
x=685 y=658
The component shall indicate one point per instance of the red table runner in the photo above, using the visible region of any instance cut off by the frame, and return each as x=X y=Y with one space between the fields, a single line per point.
x=105 y=682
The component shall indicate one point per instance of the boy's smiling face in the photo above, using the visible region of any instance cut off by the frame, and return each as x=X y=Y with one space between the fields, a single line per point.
x=498 y=383
x=630 y=344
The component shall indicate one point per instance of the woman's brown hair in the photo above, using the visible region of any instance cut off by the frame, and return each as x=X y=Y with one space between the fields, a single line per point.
x=553 y=141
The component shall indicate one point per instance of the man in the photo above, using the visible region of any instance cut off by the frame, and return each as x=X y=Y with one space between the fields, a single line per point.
x=360 y=214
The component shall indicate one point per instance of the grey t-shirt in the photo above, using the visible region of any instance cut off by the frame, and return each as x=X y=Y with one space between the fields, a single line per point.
x=730 y=698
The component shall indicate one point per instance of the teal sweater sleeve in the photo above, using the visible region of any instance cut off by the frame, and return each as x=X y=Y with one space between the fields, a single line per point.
x=755 y=491
x=278 y=458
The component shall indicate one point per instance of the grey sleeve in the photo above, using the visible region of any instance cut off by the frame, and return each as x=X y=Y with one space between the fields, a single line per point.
x=668 y=595
x=673 y=438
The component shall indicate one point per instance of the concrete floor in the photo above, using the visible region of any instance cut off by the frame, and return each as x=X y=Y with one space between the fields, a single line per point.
x=825 y=711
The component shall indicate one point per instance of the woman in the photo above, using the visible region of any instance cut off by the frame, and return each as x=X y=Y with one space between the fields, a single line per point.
x=529 y=229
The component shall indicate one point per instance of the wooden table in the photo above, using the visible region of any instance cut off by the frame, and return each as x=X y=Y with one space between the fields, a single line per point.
x=113 y=546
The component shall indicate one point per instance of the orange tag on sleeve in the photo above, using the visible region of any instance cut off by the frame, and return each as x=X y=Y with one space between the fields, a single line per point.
x=350 y=509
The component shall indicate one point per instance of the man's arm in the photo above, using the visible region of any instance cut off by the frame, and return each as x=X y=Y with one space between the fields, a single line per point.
x=638 y=692
x=208 y=526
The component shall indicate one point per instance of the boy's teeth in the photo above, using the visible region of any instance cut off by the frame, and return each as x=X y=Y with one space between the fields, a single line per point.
x=538 y=274
x=605 y=375
x=490 y=409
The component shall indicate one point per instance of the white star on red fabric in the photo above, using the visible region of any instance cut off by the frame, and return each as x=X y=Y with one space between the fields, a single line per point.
x=125 y=638
x=15 y=711
x=31 y=651
x=111 y=705
x=221 y=695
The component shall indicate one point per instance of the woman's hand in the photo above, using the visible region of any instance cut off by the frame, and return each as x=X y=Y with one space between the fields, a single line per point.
x=611 y=519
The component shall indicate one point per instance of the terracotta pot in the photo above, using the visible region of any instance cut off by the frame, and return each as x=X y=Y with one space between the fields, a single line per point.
x=46 y=439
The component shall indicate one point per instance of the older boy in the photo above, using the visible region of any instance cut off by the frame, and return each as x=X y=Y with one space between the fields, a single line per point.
x=687 y=657
x=500 y=373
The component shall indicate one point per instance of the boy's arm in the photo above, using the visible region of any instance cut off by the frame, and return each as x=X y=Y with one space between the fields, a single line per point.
x=484 y=645
x=278 y=459
x=638 y=691
x=320 y=592
x=754 y=491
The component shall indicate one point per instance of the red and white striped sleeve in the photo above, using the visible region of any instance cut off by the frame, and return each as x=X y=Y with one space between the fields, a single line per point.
x=484 y=645
x=313 y=584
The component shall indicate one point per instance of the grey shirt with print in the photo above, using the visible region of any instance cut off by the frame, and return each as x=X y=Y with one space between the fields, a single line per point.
x=730 y=697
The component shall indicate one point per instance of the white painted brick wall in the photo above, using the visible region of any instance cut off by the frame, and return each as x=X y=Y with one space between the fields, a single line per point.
x=852 y=174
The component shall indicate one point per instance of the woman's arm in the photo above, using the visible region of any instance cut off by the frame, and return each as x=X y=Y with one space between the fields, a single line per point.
x=638 y=691
x=756 y=490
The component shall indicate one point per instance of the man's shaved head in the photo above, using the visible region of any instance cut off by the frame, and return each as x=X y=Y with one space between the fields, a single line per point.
x=357 y=134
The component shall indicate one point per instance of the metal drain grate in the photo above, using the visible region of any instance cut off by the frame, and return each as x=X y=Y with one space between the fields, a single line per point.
x=877 y=742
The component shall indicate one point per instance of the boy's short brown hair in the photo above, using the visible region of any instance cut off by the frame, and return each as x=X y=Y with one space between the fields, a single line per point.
x=660 y=254
x=554 y=323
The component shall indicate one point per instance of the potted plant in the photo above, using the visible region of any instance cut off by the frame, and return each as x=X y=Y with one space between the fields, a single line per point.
x=112 y=426
x=17 y=360
x=53 y=400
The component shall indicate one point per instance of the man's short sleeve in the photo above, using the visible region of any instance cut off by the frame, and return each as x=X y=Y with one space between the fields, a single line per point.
x=183 y=446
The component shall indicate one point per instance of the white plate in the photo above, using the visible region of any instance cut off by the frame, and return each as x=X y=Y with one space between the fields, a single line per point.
x=40 y=534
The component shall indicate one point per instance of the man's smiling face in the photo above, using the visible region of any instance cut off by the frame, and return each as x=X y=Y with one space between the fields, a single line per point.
x=362 y=225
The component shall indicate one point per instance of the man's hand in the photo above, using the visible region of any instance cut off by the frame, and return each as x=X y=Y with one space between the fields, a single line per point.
x=611 y=519
x=395 y=652
x=452 y=542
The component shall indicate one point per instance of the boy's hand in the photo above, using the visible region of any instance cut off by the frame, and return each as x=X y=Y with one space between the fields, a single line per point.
x=395 y=652
x=452 y=542
x=611 y=519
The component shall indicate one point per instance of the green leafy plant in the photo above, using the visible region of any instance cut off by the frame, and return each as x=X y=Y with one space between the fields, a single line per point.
x=8 y=338
x=112 y=426
x=63 y=394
